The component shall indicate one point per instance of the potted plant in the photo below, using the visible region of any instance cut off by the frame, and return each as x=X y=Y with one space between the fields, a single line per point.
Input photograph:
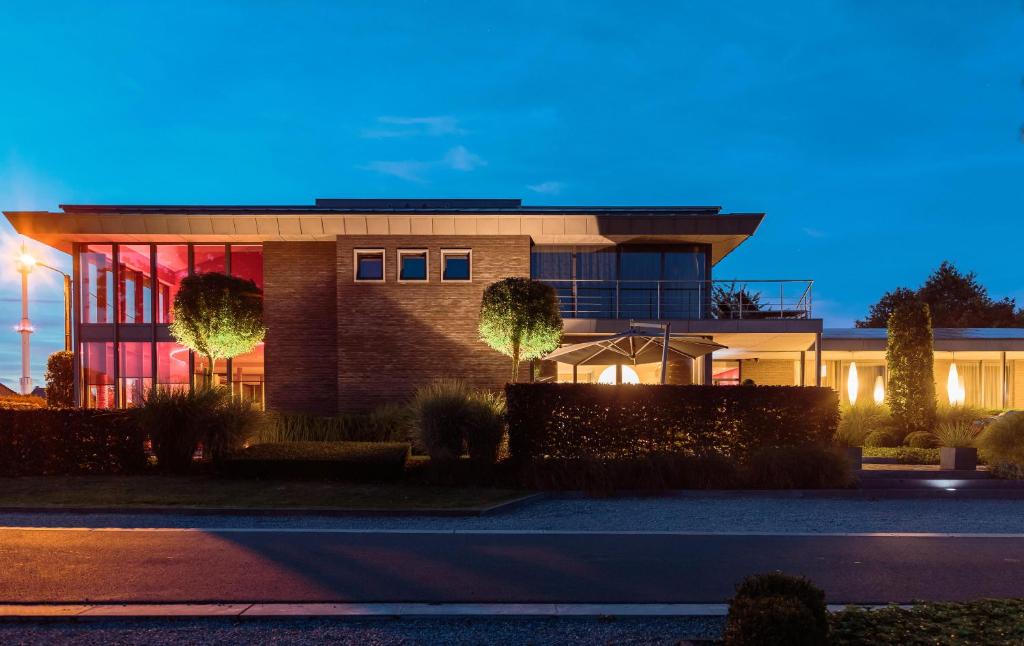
x=956 y=450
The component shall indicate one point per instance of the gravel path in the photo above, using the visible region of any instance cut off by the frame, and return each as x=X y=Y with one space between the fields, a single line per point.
x=368 y=633
x=707 y=513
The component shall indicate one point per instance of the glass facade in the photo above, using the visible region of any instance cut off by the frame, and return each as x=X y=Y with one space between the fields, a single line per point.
x=626 y=281
x=125 y=303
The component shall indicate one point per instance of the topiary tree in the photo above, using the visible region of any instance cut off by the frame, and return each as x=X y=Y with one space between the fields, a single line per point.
x=60 y=389
x=519 y=318
x=908 y=353
x=218 y=316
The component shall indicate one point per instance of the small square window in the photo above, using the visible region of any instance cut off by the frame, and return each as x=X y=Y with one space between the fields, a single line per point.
x=456 y=265
x=369 y=265
x=412 y=265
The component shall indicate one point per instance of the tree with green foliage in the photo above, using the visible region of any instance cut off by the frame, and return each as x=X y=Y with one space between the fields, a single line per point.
x=60 y=389
x=218 y=316
x=908 y=353
x=955 y=299
x=734 y=302
x=519 y=318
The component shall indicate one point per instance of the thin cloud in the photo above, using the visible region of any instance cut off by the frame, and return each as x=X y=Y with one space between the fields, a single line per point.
x=458 y=158
x=547 y=188
x=395 y=127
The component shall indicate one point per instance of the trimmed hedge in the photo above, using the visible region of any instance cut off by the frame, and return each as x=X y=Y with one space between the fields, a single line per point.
x=629 y=421
x=47 y=441
x=327 y=460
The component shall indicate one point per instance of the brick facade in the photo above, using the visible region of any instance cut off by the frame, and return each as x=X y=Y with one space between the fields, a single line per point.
x=393 y=337
x=769 y=372
x=300 y=305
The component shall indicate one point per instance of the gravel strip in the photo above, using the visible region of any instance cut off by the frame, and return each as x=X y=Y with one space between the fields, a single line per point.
x=709 y=513
x=369 y=633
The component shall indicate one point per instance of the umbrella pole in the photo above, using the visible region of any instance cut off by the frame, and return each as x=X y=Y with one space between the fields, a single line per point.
x=664 y=355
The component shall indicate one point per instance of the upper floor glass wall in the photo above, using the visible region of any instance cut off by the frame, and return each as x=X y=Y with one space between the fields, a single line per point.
x=96 y=274
x=626 y=281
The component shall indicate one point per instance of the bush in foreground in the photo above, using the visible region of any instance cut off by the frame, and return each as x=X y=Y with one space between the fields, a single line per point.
x=1002 y=441
x=388 y=423
x=989 y=621
x=364 y=461
x=777 y=609
x=921 y=440
x=451 y=417
x=70 y=441
x=657 y=472
x=882 y=438
x=856 y=422
x=179 y=420
x=60 y=389
x=904 y=454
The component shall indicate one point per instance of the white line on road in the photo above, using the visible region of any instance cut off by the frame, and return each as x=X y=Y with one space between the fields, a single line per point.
x=501 y=532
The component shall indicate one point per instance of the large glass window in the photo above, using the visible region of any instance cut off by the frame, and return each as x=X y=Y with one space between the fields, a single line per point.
x=596 y=286
x=171 y=365
x=135 y=285
x=135 y=372
x=98 y=375
x=209 y=258
x=97 y=278
x=247 y=262
x=247 y=376
x=171 y=267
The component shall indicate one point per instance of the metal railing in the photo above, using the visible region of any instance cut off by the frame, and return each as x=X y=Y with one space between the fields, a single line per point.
x=683 y=299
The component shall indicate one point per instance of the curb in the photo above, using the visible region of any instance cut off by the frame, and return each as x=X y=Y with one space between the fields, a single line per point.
x=355 y=611
x=283 y=511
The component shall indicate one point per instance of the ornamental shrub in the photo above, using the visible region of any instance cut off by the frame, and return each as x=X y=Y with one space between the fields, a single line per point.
x=572 y=421
x=653 y=472
x=519 y=318
x=857 y=421
x=921 y=440
x=955 y=434
x=882 y=438
x=363 y=461
x=909 y=356
x=387 y=423
x=451 y=417
x=60 y=389
x=777 y=609
x=1002 y=441
x=70 y=441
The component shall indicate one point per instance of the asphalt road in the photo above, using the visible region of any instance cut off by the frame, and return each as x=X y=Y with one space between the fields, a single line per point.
x=279 y=566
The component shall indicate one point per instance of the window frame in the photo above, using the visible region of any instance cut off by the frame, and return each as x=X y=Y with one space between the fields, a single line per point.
x=413 y=252
x=383 y=265
x=461 y=252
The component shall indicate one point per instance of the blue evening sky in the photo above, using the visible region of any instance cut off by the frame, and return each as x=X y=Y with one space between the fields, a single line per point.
x=879 y=137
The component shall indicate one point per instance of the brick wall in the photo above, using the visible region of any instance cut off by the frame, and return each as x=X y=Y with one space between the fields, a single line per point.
x=392 y=337
x=769 y=372
x=300 y=305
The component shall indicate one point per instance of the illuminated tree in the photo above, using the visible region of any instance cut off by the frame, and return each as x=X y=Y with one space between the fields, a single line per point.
x=519 y=318
x=218 y=316
x=908 y=353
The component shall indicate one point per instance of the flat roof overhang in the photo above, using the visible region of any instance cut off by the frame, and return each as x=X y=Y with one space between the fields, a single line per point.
x=742 y=338
x=724 y=232
x=944 y=340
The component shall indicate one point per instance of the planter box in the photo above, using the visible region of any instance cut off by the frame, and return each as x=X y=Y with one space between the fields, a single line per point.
x=958 y=459
x=855 y=455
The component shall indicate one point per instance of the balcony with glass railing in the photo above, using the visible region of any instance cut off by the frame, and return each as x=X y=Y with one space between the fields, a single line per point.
x=684 y=299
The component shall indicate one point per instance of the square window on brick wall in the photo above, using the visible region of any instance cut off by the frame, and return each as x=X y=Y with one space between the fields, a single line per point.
x=412 y=265
x=369 y=265
x=456 y=264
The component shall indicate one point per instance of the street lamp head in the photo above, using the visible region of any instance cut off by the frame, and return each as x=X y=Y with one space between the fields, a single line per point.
x=25 y=261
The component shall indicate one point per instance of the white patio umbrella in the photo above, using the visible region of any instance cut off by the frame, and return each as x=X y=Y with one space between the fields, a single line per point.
x=635 y=346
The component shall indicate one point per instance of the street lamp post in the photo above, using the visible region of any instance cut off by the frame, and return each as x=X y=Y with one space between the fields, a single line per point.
x=26 y=263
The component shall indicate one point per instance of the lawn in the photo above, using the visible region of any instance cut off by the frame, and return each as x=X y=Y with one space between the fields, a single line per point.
x=978 y=622
x=210 y=492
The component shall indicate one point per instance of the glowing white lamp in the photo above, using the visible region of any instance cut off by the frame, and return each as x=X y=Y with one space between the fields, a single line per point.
x=879 y=392
x=852 y=383
x=629 y=376
x=954 y=387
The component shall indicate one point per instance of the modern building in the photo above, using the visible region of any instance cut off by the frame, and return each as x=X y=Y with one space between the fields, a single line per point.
x=366 y=299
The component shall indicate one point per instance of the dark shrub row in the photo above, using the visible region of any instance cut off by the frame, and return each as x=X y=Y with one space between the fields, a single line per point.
x=597 y=421
x=50 y=441
x=321 y=460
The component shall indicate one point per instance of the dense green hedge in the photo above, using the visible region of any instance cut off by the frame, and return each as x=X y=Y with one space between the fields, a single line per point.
x=50 y=441
x=599 y=421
